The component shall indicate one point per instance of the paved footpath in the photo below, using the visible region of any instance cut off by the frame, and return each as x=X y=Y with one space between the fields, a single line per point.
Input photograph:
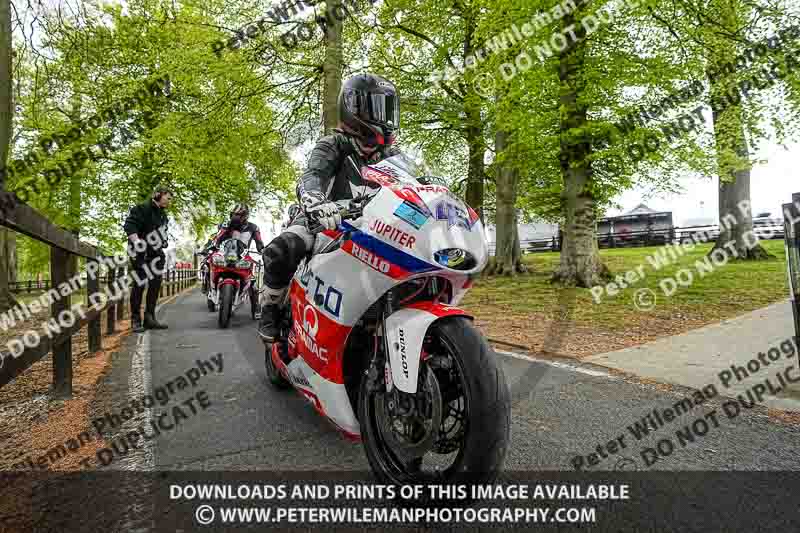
x=695 y=359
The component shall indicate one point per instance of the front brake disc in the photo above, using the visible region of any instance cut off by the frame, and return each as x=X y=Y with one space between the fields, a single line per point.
x=411 y=446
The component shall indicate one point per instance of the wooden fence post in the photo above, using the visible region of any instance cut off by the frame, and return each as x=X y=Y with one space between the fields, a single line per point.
x=112 y=306
x=60 y=267
x=121 y=301
x=94 y=328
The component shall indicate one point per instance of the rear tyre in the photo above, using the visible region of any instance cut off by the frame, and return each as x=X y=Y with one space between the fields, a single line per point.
x=225 y=305
x=465 y=416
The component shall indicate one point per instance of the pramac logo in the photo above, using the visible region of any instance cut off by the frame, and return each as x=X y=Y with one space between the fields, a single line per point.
x=310 y=321
x=307 y=333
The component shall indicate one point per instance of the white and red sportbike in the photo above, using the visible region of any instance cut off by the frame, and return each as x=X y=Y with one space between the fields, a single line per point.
x=371 y=337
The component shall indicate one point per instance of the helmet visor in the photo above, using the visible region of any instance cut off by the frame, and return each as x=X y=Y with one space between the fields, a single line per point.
x=376 y=108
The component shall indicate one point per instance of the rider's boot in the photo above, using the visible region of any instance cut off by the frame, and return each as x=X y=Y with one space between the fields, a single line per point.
x=150 y=322
x=270 y=313
x=136 y=323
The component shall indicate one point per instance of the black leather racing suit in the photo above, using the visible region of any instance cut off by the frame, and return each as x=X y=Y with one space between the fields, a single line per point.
x=330 y=172
x=247 y=232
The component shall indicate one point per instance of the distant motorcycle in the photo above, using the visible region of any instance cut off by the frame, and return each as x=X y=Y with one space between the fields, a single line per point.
x=232 y=281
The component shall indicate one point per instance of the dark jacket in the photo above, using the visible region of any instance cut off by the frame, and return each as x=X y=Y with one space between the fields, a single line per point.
x=329 y=171
x=148 y=218
x=248 y=232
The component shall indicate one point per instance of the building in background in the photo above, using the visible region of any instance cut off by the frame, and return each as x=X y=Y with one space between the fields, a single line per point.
x=640 y=226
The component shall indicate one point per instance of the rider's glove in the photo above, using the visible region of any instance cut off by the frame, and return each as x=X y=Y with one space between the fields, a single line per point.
x=319 y=208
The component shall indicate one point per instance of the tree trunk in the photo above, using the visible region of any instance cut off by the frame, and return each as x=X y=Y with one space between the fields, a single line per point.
x=74 y=213
x=580 y=263
x=734 y=204
x=11 y=253
x=7 y=249
x=733 y=164
x=476 y=144
x=507 y=255
x=332 y=67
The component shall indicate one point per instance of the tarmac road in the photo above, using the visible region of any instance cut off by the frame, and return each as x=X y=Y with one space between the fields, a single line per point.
x=573 y=409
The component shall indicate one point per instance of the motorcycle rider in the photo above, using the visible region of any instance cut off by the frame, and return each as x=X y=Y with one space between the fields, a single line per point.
x=369 y=117
x=237 y=227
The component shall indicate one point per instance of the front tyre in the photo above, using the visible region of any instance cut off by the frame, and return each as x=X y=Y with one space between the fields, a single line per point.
x=455 y=428
x=226 y=294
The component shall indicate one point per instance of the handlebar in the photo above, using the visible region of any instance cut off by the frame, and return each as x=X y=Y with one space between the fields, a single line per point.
x=351 y=210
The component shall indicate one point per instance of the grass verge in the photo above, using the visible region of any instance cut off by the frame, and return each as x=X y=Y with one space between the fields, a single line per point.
x=521 y=309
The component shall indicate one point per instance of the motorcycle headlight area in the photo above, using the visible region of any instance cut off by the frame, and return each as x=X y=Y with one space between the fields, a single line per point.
x=218 y=260
x=455 y=258
x=244 y=264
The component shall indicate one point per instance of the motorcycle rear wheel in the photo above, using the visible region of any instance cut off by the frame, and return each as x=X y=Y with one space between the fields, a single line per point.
x=472 y=411
x=226 y=293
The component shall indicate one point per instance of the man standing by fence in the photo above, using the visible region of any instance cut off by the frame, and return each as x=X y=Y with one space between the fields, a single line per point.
x=146 y=229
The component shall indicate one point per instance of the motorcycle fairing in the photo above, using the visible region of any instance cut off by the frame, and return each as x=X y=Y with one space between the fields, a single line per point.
x=332 y=291
x=327 y=397
x=405 y=333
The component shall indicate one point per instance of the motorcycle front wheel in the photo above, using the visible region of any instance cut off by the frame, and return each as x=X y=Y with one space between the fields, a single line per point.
x=455 y=428
x=226 y=294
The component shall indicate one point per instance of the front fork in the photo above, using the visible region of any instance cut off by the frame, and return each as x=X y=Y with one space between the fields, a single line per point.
x=379 y=371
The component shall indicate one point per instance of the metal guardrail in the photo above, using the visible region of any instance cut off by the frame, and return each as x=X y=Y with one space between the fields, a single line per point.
x=65 y=247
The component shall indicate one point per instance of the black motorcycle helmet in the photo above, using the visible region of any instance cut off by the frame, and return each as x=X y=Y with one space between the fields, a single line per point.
x=369 y=108
x=239 y=216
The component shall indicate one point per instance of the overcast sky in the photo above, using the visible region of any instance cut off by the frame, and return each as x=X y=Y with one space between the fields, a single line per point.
x=771 y=186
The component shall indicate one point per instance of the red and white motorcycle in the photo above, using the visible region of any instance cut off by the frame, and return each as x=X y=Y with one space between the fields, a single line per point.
x=232 y=280
x=370 y=335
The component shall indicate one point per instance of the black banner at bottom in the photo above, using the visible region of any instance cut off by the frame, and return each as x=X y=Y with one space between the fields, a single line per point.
x=333 y=501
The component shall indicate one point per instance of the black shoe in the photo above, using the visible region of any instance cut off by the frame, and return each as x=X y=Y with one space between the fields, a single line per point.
x=136 y=324
x=270 y=317
x=150 y=322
